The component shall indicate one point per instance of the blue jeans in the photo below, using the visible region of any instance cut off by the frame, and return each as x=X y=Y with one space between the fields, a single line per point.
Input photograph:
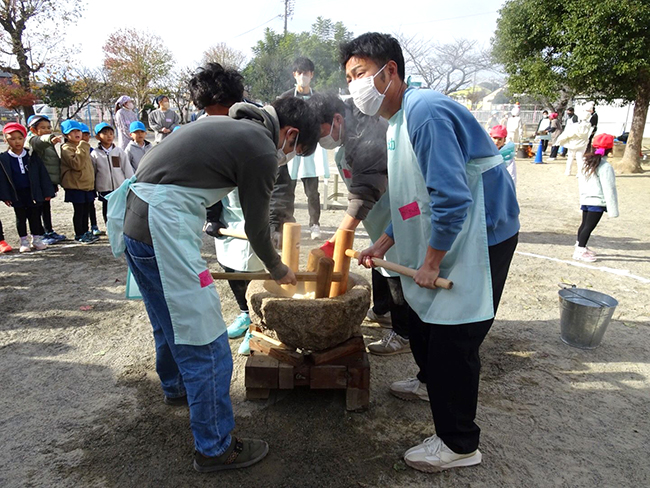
x=203 y=373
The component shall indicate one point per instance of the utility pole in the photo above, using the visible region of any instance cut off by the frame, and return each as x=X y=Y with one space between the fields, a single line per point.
x=288 y=12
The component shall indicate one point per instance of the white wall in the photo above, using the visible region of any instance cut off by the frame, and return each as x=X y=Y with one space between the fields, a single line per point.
x=612 y=119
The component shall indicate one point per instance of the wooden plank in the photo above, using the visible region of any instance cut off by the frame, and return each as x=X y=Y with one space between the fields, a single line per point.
x=357 y=400
x=257 y=393
x=285 y=376
x=300 y=276
x=344 y=241
x=352 y=345
x=359 y=376
x=324 y=277
x=261 y=371
x=328 y=376
x=301 y=375
x=283 y=355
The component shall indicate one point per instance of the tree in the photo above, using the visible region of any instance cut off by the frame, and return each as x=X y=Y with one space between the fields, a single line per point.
x=25 y=37
x=547 y=47
x=446 y=68
x=13 y=96
x=136 y=62
x=224 y=55
x=269 y=72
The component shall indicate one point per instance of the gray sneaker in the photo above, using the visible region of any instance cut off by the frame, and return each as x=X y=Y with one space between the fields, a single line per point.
x=240 y=454
x=383 y=320
x=391 y=343
x=410 y=389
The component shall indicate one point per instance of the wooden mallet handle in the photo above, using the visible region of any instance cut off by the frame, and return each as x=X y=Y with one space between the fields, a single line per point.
x=233 y=233
x=398 y=268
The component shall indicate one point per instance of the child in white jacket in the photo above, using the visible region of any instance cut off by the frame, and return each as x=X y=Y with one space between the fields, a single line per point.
x=575 y=139
x=597 y=184
x=111 y=164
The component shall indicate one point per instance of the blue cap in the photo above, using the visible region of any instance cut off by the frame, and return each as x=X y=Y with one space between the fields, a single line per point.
x=84 y=128
x=68 y=126
x=101 y=126
x=35 y=119
x=137 y=125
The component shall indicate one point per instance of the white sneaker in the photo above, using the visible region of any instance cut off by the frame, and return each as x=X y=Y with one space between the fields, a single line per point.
x=315 y=232
x=24 y=244
x=38 y=244
x=383 y=320
x=391 y=343
x=433 y=456
x=582 y=254
x=410 y=389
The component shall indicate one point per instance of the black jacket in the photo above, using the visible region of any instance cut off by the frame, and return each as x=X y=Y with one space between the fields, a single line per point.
x=39 y=179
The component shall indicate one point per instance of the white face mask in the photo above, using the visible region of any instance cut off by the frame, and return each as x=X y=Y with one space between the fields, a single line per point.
x=285 y=158
x=129 y=105
x=303 y=80
x=328 y=142
x=365 y=94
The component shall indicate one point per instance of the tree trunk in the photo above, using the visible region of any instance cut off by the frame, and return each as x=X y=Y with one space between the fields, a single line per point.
x=631 y=162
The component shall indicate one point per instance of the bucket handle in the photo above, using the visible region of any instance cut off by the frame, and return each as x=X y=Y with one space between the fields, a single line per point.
x=571 y=287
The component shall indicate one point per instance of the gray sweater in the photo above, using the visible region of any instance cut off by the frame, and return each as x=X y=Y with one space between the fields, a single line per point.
x=219 y=152
x=135 y=153
x=159 y=120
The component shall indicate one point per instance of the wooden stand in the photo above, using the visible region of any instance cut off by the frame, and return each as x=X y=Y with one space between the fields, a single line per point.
x=273 y=366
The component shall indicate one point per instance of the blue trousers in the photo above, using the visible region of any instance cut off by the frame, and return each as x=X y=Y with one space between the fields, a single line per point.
x=203 y=373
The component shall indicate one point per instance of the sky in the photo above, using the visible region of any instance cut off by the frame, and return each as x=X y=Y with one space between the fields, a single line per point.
x=189 y=28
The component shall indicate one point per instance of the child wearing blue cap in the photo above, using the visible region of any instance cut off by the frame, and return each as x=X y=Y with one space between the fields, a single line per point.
x=78 y=179
x=138 y=146
x=85 y=136
x=110 y=163
x=42 y=142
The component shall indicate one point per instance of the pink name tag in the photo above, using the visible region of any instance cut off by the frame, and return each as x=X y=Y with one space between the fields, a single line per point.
x=347 y=174
x=409 y=211
x=206 y=278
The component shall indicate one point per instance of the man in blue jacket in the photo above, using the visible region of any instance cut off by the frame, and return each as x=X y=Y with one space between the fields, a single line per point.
x=454 y=215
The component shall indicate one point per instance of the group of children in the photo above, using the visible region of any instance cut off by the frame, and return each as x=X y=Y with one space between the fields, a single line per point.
x=32 y=171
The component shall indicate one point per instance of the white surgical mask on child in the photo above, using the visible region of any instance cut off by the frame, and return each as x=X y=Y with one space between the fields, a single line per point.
x=285 y=158
x=328 y=142
x=303 y=80
x=365 y=94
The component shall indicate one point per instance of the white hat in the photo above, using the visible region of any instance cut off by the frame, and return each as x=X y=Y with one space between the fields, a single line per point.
x=515 y=111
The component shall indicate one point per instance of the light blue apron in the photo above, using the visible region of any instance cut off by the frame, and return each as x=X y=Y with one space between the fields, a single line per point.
x=176 y=218
x=379 y=216
x=309 y=166
x=236 y=253
x=467 y=263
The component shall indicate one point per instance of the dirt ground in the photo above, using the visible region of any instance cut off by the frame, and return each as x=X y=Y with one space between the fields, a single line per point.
x=81 y=405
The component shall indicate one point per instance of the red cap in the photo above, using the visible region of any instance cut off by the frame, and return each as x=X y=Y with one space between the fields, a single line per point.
x=498 y=131
x=553 y=116
x=13 y=127
x=605 y=141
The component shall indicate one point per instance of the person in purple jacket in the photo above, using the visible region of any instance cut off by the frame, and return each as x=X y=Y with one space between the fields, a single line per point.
x=454 y=215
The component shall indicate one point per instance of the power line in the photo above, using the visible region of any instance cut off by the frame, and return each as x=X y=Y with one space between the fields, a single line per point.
x=261 y=25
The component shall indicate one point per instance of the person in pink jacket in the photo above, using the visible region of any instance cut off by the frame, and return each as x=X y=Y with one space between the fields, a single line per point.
x=124 y=115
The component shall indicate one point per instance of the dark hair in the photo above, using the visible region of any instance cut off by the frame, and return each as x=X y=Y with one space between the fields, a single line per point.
x=325 y=106
x=570 y=108
x=545 y=112
x=302 y=65
x=213 y=84
x=296 y=113
x=377 y=47
x=592 y=161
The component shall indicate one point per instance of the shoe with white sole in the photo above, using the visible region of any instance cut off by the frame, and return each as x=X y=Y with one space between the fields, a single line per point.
x=38 y=244
x=239 y=326
x=410 y=389
x=315 y=232
x=245 y=346
x=24 y=244
x=433 y=456
x=582 y=254
x=383 y=320
x=391 y=343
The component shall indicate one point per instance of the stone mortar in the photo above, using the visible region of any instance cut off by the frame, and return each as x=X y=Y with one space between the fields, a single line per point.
x=311 y=325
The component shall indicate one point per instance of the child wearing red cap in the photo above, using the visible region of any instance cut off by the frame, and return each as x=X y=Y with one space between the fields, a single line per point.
x=597 y=184
x=499 y=133
x=24 y=185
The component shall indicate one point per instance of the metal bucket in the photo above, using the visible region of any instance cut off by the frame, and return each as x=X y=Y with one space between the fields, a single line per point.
x=584 y=316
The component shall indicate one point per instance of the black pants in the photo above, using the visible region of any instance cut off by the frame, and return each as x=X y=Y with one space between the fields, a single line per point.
x=80 y=217
x=387 y=296
x=102 y=198
x=31 y=214
x=448 y=357
x=2 y=234
x=238 y=288
x=47 y=216
x=282 y=200
x=589 y=222
x=313 y=199
x=544 y=144
x=554 y=150
x=92 y=215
